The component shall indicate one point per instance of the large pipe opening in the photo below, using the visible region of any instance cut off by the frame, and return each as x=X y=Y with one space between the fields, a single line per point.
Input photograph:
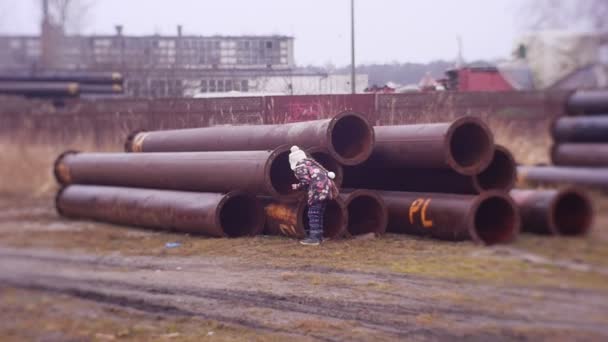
x=329 y=163
x=240 y=215
x=572 y=213
x=471 y=146
x=281 y=175
x=501 y=174
x=352 y=138
x=334 y=220
x=496 y=221
x=366 y=215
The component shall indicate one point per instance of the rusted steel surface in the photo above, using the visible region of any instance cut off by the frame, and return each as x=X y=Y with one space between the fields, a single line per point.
x=556 y=212
x=580 y=154
x=256 y=172
x=322 y=155
x=596 y=178
x=499 y=175
x=290 y=218
x=581 y=129
x=367 y=212
x=588 y=102
x=232 y=214
x=464 y=145
x=65 y=76
x=40 y=88
x=348 y=137
x=489 y=218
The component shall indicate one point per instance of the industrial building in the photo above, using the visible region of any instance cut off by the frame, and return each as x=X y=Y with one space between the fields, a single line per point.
x=179 y=65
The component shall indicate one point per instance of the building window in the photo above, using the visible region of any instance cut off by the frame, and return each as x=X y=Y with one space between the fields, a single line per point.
x=244 y=85
x=212 y=88
x=269 y=45
x=204 y=86
x=220 y=86
x=228 y=85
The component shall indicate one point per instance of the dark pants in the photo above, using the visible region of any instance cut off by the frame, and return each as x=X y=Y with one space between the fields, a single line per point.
x=315 y=219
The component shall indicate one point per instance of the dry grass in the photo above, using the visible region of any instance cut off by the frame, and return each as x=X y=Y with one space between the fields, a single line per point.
x=27 y=168
x=391 y=253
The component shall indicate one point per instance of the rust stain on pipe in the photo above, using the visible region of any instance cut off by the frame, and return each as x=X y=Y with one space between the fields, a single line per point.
x=489 y=218
x=464 y=145
x=220 y=215
x=555 y=212
x=580 y=154
x=593 y=177
x=367 y=212
x=258 y=172
x=348 y=137
x=290 y=218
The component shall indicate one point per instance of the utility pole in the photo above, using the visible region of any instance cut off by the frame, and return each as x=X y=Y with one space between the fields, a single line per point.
x=352 y=47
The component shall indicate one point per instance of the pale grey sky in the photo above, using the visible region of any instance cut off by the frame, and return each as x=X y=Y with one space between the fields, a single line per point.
x=386 y=30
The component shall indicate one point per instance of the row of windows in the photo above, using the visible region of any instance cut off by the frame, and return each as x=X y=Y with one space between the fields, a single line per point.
x=212 y=86
x=176 y=88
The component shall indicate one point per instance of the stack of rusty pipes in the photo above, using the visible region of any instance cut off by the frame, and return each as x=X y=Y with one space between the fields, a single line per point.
x=61 y=84
x=251 y=160
x=580 y=150
x=445 y=180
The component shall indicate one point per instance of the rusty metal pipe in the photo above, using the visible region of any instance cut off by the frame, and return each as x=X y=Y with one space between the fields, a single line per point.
x=324 y=158
x=555 y=212
x=101 y=89
x=232 y=214
x=499 y=175
x=67 y=89
x=588 y=102
x=596 y=178
x=489 y=218
x=257 y=172
x=290 y=218
x=348 y=137
x=581 y=129
x=464 y=145
x=367 y=212
x=67 y=76
x=581 y=154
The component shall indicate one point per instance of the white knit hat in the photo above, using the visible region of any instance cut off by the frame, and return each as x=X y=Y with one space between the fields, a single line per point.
x=295 y=156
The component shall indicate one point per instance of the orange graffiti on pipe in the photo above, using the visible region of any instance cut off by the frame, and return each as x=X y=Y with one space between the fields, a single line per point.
x=281 y=213
x=419 y=206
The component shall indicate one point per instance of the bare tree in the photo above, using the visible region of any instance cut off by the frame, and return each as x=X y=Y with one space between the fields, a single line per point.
x=580 y=15
x=70 y=15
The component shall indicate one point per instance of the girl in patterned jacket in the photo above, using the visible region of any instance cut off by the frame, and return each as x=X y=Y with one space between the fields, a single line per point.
x=320 y=187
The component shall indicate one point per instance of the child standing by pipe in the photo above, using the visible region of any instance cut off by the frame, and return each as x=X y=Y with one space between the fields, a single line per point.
x=320 y=187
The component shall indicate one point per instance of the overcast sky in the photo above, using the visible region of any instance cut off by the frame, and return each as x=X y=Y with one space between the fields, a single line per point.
x=386 y=30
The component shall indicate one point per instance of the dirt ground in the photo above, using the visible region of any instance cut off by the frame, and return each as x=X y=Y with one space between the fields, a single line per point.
x=63 y=280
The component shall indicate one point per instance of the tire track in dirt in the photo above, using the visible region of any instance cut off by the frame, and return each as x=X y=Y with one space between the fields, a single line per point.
x=392 y=320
